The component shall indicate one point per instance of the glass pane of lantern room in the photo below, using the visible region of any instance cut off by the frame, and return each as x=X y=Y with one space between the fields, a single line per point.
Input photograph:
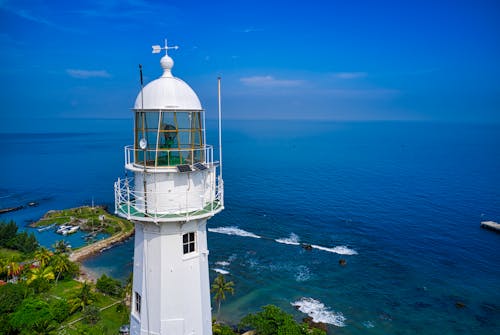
x=146 y=128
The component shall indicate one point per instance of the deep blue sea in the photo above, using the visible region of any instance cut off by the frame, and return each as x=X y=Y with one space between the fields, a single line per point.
x=401 y=202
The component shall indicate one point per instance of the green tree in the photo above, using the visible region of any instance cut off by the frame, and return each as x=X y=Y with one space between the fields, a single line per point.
x=274 y=321
x=220 y=329
x=108 y=285
x=46 y=273
x=220 y=286
x=13 y=269
x=11 y=297
x=7 y=232
x=83 y=298
x=42 y=255
x=33 y=317
x=23 y=242
x=61 y=264
x=60 y=309
x=60 y=247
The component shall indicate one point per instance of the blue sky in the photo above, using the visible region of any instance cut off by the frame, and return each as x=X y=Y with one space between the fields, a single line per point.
x=335 y=60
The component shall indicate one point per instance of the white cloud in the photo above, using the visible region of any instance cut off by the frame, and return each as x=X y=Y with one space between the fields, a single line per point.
x=350 y=75
x=85 y=74
x=270 y=81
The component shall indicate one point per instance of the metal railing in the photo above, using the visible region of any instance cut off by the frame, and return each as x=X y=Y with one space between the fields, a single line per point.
x=141 y=206
x=162 y=158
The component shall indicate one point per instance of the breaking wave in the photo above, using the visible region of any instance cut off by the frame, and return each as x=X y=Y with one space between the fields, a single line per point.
x=223 y=263
x=319 y=312
x=293 y=239
x=368 y=324
x=233 y=231
x=341 y=250
x=302 y=274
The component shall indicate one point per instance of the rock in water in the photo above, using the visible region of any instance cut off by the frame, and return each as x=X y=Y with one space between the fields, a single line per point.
x=307 y=246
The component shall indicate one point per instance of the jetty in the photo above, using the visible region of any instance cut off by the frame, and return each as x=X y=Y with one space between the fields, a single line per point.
x=95 y=248
x=491 y=225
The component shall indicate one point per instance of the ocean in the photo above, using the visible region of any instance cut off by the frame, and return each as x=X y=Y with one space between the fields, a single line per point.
x=400 y=202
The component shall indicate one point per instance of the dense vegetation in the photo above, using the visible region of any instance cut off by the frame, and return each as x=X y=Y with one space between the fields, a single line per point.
x=38 y=293
x=10 y=238
x=272 y=320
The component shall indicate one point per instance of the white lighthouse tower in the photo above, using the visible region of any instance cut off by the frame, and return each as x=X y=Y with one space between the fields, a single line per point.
x=176 y=187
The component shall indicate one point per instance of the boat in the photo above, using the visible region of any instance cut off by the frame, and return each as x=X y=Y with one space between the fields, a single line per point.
x=90 y=235
x=491 y=225
x=42 y=229
x=62 y=228
x=70 y=230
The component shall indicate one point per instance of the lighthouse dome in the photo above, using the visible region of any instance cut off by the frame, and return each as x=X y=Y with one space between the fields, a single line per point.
x=167 y=92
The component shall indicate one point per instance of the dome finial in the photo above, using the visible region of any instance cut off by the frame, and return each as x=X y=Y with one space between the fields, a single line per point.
x=166 y=62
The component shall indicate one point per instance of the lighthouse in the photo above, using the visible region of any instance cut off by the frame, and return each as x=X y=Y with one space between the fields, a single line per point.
x=176 y=187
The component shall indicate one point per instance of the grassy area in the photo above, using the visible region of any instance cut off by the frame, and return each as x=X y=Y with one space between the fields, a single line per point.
x=14 y=255
x=110 y=318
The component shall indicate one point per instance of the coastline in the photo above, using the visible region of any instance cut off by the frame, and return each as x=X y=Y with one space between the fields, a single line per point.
x=81 y=254
x=89 y=250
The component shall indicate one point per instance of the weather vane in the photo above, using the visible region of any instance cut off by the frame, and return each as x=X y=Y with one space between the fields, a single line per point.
x=158 y=48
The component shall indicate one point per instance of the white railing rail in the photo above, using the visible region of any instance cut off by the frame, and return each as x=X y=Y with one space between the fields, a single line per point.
x=134 y=205
x=163 y=158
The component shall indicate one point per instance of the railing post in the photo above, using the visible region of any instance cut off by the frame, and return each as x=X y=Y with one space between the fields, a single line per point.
x=128 y=201
x=117 y=197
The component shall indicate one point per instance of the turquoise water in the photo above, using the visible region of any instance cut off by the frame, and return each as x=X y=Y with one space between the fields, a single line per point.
x=401 y=202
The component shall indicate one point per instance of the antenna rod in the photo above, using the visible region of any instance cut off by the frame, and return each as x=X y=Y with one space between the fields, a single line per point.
x=220 y=125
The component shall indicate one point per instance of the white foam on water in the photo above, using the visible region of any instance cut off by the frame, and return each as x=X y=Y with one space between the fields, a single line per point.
x=233 y=231
x=319 y=312
x=302 y=274
x=341 y=250
x=223 y=263
x=293 y=239
x=368 y=324
x=221 y=271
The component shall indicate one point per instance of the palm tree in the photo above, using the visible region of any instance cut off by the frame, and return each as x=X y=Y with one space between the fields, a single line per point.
x=43 y=256
x=13 y=269
x=44 y=273
x=220 y=286
x=83 y=298
x=60 y=263
x=61 y=247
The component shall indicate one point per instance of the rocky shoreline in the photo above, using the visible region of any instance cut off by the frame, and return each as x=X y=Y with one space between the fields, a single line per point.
x=94 y=248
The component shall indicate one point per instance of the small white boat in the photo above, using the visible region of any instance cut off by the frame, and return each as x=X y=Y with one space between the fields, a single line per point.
x=491 y=225
x=70 y=230
x=42 y=229
x=62 y=228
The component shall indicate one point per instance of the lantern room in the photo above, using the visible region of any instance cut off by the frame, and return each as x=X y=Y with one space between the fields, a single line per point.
x=169 y=123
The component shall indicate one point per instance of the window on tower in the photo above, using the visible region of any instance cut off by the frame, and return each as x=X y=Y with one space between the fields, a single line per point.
x=188 y=242
x=137 y=303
